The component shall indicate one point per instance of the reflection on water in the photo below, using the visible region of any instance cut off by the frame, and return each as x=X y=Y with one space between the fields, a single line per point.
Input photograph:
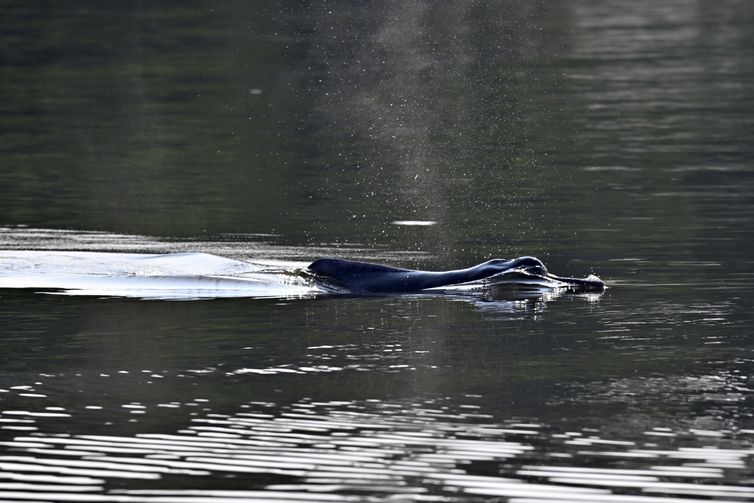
x=307 y=449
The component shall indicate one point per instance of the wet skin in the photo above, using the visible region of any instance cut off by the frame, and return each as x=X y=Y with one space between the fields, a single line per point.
x=365 y=277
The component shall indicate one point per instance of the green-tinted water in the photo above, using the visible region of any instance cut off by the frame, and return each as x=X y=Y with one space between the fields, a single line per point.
x=606 y=137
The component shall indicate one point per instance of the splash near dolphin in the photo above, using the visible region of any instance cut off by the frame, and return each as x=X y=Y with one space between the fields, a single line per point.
x=186 y=276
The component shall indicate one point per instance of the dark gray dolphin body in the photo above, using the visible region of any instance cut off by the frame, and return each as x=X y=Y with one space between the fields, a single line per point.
x=364 y=277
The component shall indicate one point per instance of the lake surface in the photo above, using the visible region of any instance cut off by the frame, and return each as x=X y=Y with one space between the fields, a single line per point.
x=614 y=138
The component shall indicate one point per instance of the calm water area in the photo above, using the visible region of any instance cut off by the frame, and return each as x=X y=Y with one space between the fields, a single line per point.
x=605 y=137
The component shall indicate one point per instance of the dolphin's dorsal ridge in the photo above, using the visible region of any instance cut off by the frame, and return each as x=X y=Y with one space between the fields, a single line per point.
x=339 y=269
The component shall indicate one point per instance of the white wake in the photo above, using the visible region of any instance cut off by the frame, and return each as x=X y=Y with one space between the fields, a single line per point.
x=151 y=276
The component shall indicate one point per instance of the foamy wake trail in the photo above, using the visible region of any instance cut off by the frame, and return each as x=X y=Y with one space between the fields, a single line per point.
x=163 y=276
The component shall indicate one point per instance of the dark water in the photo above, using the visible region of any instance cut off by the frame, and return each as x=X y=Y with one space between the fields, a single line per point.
x=607 y=137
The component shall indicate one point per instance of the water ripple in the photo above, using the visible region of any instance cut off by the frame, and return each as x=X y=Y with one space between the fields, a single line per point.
x=341 y=450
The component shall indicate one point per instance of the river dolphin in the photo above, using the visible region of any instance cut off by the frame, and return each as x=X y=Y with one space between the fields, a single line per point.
x=365 y=277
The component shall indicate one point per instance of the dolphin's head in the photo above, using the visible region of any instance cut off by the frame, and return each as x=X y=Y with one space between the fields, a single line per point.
x=534 y=266
x=531 y=265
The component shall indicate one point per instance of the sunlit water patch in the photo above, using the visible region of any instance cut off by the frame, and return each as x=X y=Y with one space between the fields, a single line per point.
x=414 y=223
x=428 y=450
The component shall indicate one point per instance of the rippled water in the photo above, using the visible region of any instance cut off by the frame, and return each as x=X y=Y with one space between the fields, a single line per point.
x=606 y=137
x=430 y=398
x=423 y=450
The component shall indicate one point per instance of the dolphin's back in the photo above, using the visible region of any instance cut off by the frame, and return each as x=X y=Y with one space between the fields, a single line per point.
x=360 y=276
x=365 y=277
x=345 y=269
x=335 y=268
